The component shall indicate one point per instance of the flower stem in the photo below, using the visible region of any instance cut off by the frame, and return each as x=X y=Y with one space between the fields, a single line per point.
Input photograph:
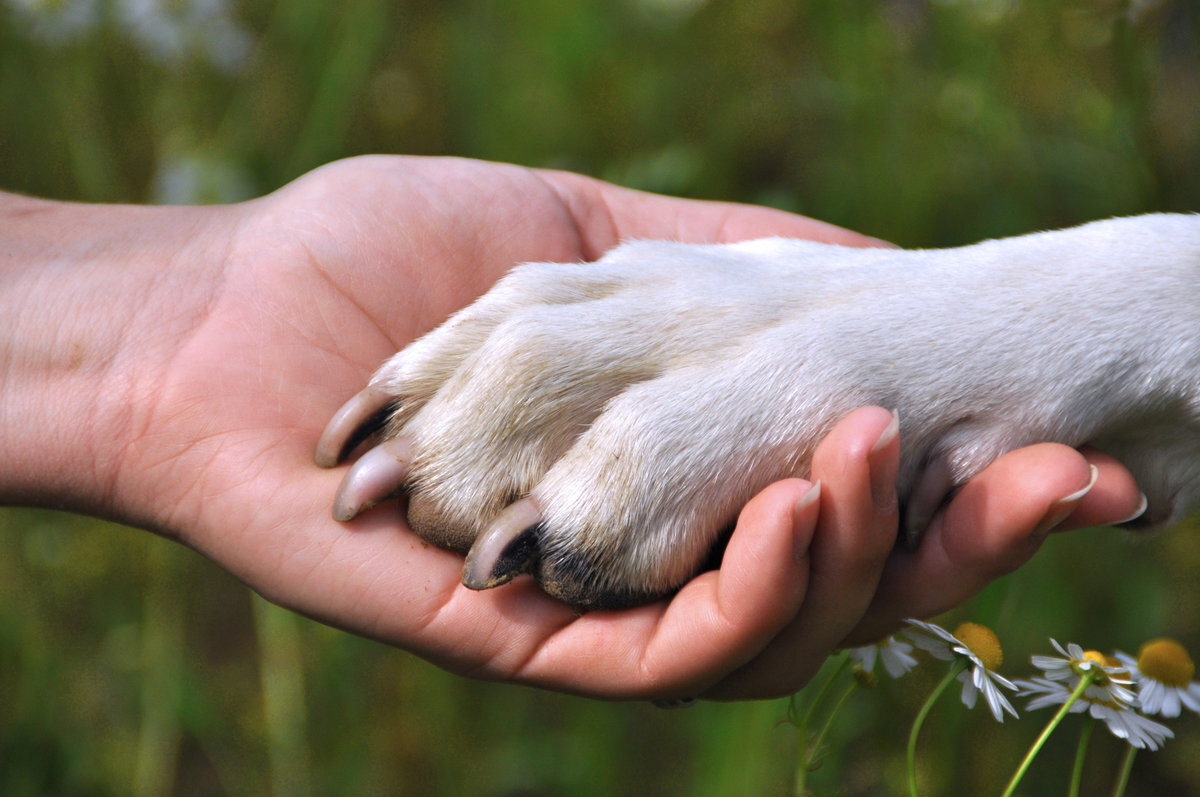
x=1085 y=734
x=799 y=785
x=959 y=666
x=807 y=751
x=820 y=737
x=1126 y=769
x=1084 y=682
x=833 y=676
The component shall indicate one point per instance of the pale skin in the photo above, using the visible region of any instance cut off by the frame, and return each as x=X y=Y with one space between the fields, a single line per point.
x=172 y=369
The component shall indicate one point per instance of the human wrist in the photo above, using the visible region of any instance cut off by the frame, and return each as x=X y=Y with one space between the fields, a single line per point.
x=90 y=303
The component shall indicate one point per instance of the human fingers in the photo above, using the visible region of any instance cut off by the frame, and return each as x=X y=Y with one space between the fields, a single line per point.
x=856 y=466
x=995 y=523
x=1115 y=498
x=607 y=214
x=722 y=620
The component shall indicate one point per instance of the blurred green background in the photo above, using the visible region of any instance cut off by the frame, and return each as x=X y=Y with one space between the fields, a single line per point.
x=129 y=666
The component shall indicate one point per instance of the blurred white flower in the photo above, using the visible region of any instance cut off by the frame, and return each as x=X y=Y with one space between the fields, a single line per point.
x=895 y=654
x=196 y=177
x=56 y=21
x=171 y=31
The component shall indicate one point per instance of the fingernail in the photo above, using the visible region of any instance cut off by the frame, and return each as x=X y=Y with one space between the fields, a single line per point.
x=1137 y=513
x=806 y=501
x=1061 y=509
x=883 y=464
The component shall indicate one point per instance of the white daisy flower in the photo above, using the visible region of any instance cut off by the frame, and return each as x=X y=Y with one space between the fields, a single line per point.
x=1163 y=672
x=895 y=654
x=1123 y=721
x=1113 y=680
x=1107 y=697
x=979 y=649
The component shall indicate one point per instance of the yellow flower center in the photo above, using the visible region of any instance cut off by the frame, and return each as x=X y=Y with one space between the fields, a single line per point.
x=1120 y=673
x=1167 y=662
x=981 y=641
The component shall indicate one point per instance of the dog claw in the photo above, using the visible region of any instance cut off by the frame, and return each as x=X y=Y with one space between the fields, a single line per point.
x=350 y=425
x=507 y=548
x=379 y=475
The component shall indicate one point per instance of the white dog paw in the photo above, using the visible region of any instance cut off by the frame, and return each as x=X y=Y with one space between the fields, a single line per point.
x=600 y=425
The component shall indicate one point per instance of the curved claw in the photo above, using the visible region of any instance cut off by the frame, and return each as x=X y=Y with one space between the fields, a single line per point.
x=350 y=425
x=507 y=548
x=376 y=477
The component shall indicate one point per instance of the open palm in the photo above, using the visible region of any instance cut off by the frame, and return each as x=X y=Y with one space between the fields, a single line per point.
x=316 y=284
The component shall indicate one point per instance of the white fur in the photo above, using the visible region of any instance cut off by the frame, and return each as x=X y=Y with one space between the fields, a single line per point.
x=642 y=399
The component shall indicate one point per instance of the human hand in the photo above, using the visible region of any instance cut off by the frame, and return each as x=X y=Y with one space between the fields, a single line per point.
x=267 y=315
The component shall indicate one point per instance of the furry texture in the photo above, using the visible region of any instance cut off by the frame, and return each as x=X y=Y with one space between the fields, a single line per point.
x=641 y=400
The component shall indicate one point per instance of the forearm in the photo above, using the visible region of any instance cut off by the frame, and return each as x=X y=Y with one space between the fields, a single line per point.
x=92 y=297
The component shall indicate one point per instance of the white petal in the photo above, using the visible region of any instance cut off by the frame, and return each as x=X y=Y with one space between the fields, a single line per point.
x=1000 y=680
x=1170 y=703
x=969 y=691
x=864 y=656
x=1191 y=697
x=897 y=658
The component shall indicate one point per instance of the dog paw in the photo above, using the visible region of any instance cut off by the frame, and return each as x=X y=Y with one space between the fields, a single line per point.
x=600 y=425
x=594 y=424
